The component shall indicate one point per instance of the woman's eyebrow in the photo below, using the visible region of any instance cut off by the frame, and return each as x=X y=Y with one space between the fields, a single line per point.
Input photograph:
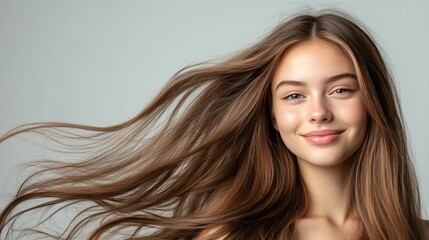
x=340 y=76
x=327 y=80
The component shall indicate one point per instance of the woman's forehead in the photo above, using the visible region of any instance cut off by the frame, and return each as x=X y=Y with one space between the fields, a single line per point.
x=313 y=59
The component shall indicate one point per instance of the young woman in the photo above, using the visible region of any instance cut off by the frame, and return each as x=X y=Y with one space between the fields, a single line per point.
x=297 y=137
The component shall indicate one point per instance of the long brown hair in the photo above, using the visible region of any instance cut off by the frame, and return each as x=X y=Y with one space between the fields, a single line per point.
x=204 y=153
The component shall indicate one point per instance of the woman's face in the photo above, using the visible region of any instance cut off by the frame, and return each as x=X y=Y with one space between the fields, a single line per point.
x=317 y=103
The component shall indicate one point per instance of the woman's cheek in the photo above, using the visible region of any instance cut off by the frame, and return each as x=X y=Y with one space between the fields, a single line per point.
x=355 y=114
x=289 y=120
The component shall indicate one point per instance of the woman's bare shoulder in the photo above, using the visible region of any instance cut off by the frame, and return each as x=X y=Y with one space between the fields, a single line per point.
x=425 y=230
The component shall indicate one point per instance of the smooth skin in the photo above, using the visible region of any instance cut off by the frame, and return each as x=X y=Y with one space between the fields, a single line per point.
x=320 y=115
x=319 y=112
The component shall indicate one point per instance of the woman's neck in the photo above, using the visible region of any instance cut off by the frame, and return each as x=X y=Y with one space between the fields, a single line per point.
x=328 y=190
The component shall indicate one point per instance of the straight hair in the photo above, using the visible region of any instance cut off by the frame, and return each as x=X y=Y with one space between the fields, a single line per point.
x=204 y=153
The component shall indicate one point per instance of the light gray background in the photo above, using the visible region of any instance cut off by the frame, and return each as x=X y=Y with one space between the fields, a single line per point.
x=100 y=62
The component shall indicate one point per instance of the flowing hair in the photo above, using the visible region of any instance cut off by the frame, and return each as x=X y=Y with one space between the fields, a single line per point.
x=205 y=154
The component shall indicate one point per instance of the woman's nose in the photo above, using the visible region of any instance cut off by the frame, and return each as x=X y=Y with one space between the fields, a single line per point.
x=318 y=112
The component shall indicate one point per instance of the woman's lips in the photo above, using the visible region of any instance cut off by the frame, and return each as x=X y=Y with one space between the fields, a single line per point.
x=322 y=137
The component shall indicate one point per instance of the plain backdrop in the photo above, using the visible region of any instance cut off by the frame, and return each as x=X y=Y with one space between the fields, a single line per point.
x=100 y=62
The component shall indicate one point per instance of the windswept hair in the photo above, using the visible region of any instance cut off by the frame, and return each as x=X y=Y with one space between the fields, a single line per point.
x=205 y=154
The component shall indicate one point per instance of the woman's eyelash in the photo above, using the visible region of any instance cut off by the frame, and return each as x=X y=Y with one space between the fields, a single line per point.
x=342 y=90
x=293 y=96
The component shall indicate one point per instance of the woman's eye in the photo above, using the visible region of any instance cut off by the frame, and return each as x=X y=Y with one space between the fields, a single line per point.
x=294 y=96
x=342 y=91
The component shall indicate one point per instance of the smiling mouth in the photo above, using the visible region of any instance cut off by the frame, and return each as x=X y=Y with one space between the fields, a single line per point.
x=322 y=137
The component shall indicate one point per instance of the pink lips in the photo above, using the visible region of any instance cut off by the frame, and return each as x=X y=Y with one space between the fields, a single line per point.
x=323 y=136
